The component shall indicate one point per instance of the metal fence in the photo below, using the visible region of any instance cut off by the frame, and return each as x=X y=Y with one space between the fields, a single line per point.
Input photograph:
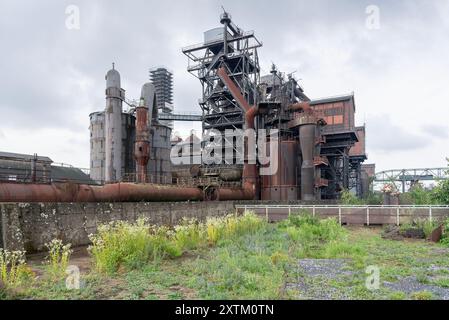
x=364 y=215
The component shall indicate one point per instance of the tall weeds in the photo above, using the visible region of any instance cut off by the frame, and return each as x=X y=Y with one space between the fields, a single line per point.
x=13 y=269
x=58 y=257
x=132 y=245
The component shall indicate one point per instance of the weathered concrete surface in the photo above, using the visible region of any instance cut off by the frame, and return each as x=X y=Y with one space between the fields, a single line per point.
x=28 y=226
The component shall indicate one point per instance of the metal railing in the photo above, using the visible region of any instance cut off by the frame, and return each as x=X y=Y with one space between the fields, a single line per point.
x=398 y=211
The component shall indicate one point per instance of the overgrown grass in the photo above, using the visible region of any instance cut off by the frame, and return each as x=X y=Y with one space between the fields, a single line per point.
x=132 y=245
x=242 y=257
x=320 y=239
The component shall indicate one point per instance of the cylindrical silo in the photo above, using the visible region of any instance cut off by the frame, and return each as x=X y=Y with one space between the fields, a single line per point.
x=113 y=126
x=159 y=166
x=97 y=146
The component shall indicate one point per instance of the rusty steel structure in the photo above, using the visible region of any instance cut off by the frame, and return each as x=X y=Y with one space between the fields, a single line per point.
x=320 y=150
x=317 y=149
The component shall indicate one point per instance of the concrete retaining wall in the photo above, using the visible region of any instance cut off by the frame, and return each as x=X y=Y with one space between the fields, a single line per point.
x=26 y=226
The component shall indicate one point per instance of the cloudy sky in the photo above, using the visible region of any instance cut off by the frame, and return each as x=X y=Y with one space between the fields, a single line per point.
x=53 y=77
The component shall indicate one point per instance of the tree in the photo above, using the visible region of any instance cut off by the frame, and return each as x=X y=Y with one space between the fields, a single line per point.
x=440 y=194
x=420 y=195
x=348 y=198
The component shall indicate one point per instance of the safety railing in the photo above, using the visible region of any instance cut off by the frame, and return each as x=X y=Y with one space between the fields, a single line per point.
x=369 y=215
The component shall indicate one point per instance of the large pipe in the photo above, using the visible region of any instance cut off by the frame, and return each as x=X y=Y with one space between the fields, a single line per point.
x=307 y=133
x=250 y=174
x=307 y=142
x=301 y=106
x=118 y=192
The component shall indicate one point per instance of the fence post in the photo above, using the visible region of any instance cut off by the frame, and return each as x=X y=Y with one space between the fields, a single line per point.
x=339 y=214
x=313 y=211
x=245 y=209
x=289 y=211
x=397 y=217
x=266 y=212
x=367 y=216
x=430 y=213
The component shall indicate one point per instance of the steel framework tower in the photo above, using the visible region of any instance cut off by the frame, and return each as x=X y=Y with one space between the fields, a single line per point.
x=236 y=51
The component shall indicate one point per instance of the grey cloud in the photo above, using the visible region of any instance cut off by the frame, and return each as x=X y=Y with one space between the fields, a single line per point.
x=436 y=131
x=386 y=136
x=54 y=77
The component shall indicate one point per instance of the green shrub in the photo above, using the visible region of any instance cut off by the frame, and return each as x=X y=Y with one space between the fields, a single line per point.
x=13 y=269
x=189 y=234
x=218 y=229
x=58 y=257
x=420 y=195
x=425 y=225
x=348 y=198
x=445 y=238
x=374 y=199
x=121 y=243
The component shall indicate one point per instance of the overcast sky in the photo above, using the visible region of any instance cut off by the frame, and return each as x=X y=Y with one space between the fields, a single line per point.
x=53 y=77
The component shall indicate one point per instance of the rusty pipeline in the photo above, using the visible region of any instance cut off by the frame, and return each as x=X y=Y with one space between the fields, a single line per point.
x=250 y=173
x=301 y=106
x=117 y=192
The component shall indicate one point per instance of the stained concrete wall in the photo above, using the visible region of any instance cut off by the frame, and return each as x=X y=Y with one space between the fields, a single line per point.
x=28 y=226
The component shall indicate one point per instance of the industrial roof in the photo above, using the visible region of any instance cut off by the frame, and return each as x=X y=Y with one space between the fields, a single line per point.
x=73 y=174
x=19 y=156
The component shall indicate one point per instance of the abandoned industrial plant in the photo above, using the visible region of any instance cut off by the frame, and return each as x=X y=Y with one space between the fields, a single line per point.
x=274 y=171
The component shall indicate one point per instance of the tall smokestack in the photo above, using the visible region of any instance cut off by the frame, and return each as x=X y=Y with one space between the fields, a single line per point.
x=113 y=126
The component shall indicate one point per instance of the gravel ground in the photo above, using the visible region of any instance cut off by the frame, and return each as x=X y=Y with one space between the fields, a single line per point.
x=314 y=277
x=411 y=285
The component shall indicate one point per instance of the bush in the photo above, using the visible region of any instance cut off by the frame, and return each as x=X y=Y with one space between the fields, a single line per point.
x=13 y=269
x=231 y=227
x=419 y=225
x=420 y=195
x=445 y=238
x=58 y=257
x=189 y=234
x=121 y=243
x=348 y=198
x=374 y=199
